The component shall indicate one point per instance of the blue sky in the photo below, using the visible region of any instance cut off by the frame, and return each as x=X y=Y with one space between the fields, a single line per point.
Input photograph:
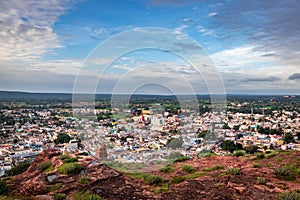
x=254 y=45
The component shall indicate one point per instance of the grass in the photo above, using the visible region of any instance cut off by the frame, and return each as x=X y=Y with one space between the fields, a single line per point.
x=178 y=179
x=60 y=196
x=163 y=188
x=285 y=173
x=149 y=179
x=69 y=168
x=86 y=196
x=233 y=171
x=188 y=168
x=239 y=153
x=46 y=166
x=55 y=187
x=167 y=169
x=182 y=159
x=272 y=154
x=294 y=195
x=260 y=156
x=83 y=179
x=261 y=180
x=216 y=167
x=269 y=164
x=66 y=158
x=256 y=165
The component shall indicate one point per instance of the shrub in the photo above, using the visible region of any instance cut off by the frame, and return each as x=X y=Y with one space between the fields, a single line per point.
x=216 y=167
x=289 y=196
x=188 y=168
x=239 y=153
x=45 y=166
x=86 y=196
x=68 y=159
x=260 y=155
x=182 y=158
x=163 y=188
x=233 y=171
x=177 y=179
x=19 y=169
x=272 y=154
x=60 y=196
x=84 y=153
x=167 y=169
x=284 y=173
x=55 y=187
x=153 y=179
x=261 y=180
x=69 y=168
x=3 y=188
x=83 y=179
x=256 y=165
x=194 y=175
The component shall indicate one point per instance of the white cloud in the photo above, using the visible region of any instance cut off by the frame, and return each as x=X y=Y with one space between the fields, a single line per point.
x=212 y=14
x=27 y=28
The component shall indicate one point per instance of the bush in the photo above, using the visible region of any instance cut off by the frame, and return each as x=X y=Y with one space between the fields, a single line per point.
x=256 y=165
x=167 y=169
x=284 y=173
x=289 y=196
x=68 y=159
x=251 y=149
x=84 y=153
x=216 y=167
x=69 y=168
x=86 y=196
x=233 y=171
x=3 y=188
x=19 y=169
x=261 y=180
x=55 y=187
x=60 y=196
x=45 y=166
x=188 y=168
x=182 y=158
x=83 y=180
x=153 y=179
x=177 y=179
x=260 y=155
x=239 y=153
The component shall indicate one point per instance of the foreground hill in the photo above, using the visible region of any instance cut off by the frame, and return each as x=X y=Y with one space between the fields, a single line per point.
x=265 y=176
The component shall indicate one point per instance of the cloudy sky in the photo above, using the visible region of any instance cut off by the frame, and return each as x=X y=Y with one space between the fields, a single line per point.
x=253 y=46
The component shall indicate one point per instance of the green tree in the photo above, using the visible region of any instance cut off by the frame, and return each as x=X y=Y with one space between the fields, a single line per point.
x=288 y=138
x=62 y=138
x=231 y=146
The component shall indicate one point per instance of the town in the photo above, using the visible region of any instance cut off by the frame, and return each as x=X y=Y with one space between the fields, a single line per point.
x=145 y=134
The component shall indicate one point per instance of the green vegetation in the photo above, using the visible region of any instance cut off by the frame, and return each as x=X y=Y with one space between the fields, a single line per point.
x=272 y=154
x=182 y=159
x=174 y=143
x=238 y=153
x=60 y=196
x=284 y=173
x=62 y=138
x=167 y=169
x=269 y=164
x=69 y=168
x=3 y=188
x=288 y=137
x=188 y=168
x=233 y=171
x=46 y=166
x=216 y=167
x=83 y=179
x=177 y=179
x=256 y=165
x=251 y=149
x=260 y=156
x=294 y=195
x=55 y=187
x=68 y=159
x=261 y=180
x=149 y=179
x=202 y=134
x=231 y=146
x=83 y=153
x=163 y=188
x=19 y=169
x=86 y=196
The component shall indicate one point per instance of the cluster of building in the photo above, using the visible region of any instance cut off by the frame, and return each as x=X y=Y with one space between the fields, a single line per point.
x=146 y=136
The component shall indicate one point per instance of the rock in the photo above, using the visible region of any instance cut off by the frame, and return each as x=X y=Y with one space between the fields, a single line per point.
x=51 y=178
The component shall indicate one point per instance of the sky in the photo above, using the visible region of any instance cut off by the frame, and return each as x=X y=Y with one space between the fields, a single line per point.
x=245 y=47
